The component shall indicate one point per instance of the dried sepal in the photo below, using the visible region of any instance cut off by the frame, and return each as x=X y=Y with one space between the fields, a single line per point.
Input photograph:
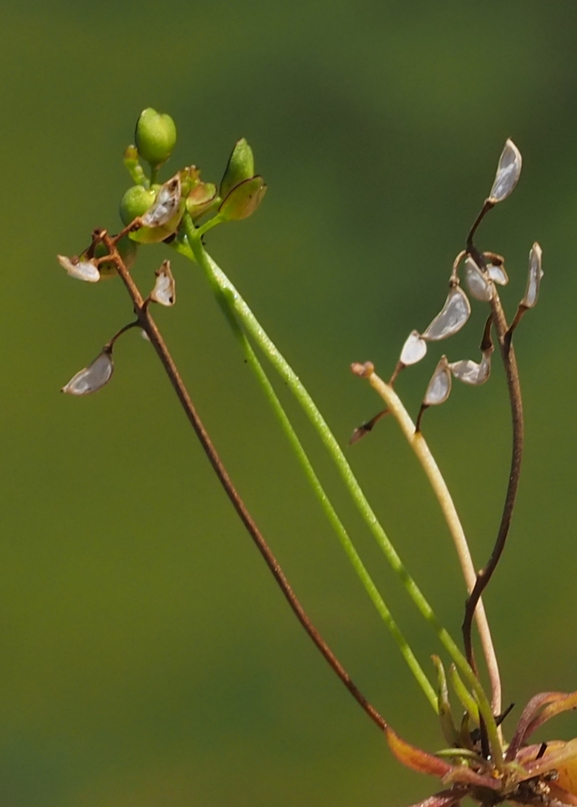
x=93 y=377
x=452 y=317
x=440 y=384
x=165 y=205
x=534 y=278
x=82 y=270
x=413 y=350
x=478 y=282
x=469 y=372
x=508 y=173
x=164 y=291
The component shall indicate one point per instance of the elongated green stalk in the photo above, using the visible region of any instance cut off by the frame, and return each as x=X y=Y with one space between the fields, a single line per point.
x=423 y=454
x=255 y=330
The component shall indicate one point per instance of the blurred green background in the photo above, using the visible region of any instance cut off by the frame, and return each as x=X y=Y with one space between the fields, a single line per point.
x=146 y=657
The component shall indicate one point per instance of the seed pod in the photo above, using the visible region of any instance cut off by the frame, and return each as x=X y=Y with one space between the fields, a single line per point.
x=239 y=168
x=469 y=372
x=243 y=200
x=440 y=384
x=478 y=282
x=453 y=316
x=82 y=270
x=165 y=205
x=93 y=377
x=413 y=350
x=155 y=136
x=508 y=173
x=497 y=274
x=164 y=291
x=534 y=278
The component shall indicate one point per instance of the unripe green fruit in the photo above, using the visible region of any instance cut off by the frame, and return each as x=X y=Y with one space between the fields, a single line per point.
x=240 y=167
x=135 y=202
x=155 y=136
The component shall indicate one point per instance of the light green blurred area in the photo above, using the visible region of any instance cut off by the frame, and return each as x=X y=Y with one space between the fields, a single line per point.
x=146 y=657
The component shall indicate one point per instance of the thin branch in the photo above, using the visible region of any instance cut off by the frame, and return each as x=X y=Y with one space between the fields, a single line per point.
x=148 y=324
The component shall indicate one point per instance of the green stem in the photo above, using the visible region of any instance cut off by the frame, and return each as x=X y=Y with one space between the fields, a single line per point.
x=255 y=330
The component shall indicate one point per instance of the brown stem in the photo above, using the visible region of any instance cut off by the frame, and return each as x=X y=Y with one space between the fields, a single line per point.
x=147 y=323
x=516 y=402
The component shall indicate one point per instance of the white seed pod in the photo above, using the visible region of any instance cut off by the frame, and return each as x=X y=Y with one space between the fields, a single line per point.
x=414 y=349
x=93 y=377
x=144 y=335
x=453 y=316
x=478 y=282
x=165 y=205
x=439 y=385
x=164 y=291
x=82 y=270
x=469 y=372
x=497 y=274
x=508 y=173
x=534 y=279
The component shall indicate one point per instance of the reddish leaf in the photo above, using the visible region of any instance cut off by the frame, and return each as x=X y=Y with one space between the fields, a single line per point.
x=415 y=758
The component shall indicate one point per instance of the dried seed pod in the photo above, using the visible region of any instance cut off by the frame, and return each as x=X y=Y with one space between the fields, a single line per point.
x=453 y=316
x=93 y=377
x=534 y=279
x=469 y=372
x=82 y=270
x=414 y=349
x=165 y=205
x=164 y=291
x=478 y=282
x=508 y=173
x=497 y=274
x=440 y=384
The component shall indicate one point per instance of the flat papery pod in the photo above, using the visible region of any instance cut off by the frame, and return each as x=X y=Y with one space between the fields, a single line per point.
x=440 y=384
x=564 y=704
x=534 y=278
x=243 y=199
x=414 y=349
x=415 y=758
x=154 y=235
x=93 y=377
x=469 y=372
x=497 y=274
x=165 y=205
x=164 y=291
x=446 y=798
x=201 y=198
x=81 y=270
x=478 y=282
x=453 y=316
x=528 y=715
x=557 y=757
x=508 y=173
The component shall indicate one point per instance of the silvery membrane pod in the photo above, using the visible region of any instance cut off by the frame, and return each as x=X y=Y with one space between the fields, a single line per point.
x=164 y=291
x=439 y=385
x=497 y=274
x=469 y=372
x=81 y=270
x=414 y=349
x=165 y=205
x=453 y=316
x=508 y=173
x=534 y=279
x=93 y=377
x=477 y=281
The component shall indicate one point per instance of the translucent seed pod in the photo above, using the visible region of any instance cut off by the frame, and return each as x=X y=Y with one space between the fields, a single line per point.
x=478 y=282
x=534 y=278
x=413 y=350
x=164 y=291
x=508 y=173
x=453 y=316
x=82 y=270
x=93 y=377
x=440 y=384
x=165 y=205
x=497 y=274
x=469 y=372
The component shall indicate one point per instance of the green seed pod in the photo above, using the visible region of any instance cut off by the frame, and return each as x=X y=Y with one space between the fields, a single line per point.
x=128 y=251
x=243 y=200
x=135 y=203
x=240 y=167
x=201 y=199
x=155 y=136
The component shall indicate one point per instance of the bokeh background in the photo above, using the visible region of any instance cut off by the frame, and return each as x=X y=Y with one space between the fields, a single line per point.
x=146 y=657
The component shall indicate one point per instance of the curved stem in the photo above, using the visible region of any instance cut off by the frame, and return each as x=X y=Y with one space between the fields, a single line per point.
x=419 y=445
x=146 y=321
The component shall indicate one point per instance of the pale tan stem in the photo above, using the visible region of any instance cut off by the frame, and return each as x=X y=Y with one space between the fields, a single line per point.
x=423 y=453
